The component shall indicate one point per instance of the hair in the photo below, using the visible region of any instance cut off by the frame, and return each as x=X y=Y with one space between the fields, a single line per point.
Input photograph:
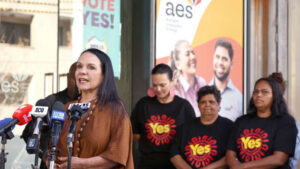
x=277 y=76
x=161 y=69
x=107 y=93
x=226 y=44
x=71 y=81
x=205 y=90
x=72 y=70
x=175 y=54
x=278 y=107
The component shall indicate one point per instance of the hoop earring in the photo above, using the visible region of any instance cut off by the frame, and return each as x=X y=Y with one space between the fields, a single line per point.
x=150 y=92
x=172 y=92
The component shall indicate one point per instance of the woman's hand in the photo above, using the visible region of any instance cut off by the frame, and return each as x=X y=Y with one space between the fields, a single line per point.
x=76 y=163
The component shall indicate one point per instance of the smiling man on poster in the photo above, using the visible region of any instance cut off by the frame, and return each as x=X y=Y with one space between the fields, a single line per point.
x=232 y=100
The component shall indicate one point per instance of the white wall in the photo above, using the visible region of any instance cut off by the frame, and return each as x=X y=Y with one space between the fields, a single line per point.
x=294 y=58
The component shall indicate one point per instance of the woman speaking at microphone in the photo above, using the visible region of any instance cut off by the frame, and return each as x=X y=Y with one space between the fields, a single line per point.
x=103 y=135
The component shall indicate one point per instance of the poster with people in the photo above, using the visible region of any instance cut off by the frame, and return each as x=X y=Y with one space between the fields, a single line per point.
x=202 y=41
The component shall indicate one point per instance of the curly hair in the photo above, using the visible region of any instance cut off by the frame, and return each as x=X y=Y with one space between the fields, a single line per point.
x=205 y=90
x=277 y=76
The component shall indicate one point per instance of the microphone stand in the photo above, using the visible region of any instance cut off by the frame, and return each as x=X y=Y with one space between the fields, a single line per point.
x=7 y=134
x=37 y=136
x=36 y=157
x=53 y=152
x=74 y=116
x=52 y=157
x=70 y=140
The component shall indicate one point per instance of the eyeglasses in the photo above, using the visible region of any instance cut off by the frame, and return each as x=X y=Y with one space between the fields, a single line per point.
x=263 y=92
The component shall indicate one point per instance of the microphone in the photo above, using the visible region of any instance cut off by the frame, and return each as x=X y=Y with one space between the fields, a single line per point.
x=83 y=106
x=7 y=132
x=74 y=115
x=57 y=121
x=21 y=116
x=40 y=113
x=4 y=122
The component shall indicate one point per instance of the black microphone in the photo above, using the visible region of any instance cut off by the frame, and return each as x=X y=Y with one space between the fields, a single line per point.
x=57 y=121
x=74 y=115
x=40 y=113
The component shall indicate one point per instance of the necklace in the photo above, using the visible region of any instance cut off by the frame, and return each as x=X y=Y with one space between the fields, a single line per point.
x=85 y=119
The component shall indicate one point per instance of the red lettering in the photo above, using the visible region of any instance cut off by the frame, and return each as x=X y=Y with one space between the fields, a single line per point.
x=102 y=4
x=110 y=5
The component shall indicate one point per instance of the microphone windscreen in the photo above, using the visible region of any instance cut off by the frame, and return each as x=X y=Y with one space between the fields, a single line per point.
x=4 y=122
x=41 y=110
x=76 y=108
x=23 y=114
x=58 y=113
x=43 y=102
x=59 y=106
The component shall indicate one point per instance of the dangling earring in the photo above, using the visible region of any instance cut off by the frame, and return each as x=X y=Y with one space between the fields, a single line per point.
x=172 y=92
x=79 y=92
x=150 y=92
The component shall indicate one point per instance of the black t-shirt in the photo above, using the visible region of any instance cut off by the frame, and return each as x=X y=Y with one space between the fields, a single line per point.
x=200 y=145
x=254 y=138
x=157 y=123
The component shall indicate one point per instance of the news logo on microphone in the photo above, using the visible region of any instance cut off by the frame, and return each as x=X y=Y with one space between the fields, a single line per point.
x=83 y=106
x=57 y=115
x=39 y=111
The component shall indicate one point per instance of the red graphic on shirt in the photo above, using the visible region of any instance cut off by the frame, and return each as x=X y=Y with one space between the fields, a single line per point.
x=160 y=129
x=252 y=144
x=200 y=151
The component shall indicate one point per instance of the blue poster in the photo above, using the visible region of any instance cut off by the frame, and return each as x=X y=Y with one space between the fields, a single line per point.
x=102 y=29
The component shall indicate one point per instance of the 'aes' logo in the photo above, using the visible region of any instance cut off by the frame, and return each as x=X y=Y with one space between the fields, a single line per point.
x=179 y=10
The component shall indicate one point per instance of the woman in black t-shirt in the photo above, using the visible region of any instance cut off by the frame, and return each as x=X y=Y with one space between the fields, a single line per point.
x=202 y=142
x=155 y=120
x=266 y=136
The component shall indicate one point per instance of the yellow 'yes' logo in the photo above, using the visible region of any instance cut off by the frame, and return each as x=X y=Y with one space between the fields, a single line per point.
x=251 y=143
x=199 y=149
x=159 y=129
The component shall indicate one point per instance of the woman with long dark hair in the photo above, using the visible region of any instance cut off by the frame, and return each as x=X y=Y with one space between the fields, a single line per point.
x=103 y=136
x=266 y=136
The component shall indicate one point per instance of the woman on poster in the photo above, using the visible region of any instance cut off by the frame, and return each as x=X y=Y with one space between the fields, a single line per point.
x=184 y=65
